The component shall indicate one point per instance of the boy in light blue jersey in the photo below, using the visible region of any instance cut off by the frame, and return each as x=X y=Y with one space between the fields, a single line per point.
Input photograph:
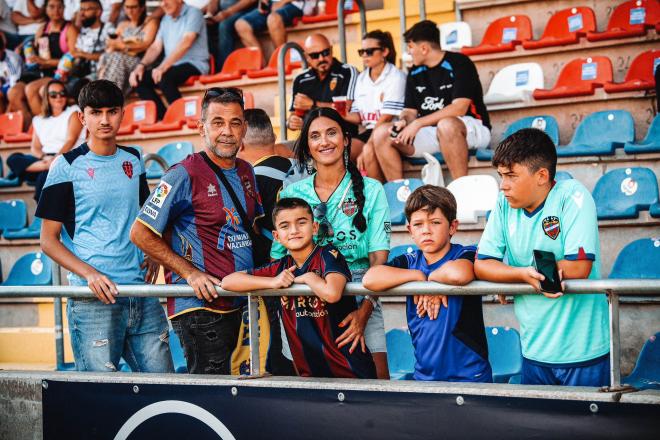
x=90 y=198
x=565 y=337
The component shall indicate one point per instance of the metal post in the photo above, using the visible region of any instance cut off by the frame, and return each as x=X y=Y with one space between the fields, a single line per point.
x=342 y=25
x=615 y=342
x=281 y=81
x=422 y=10
x=253 y=318
x=402 y=27
x=57 y=308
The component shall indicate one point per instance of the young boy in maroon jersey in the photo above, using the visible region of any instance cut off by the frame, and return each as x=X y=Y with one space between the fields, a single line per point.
x=311 y=322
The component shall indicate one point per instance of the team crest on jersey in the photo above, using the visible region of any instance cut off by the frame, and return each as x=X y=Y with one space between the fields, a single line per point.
x=349 y=207
x=249 y=189
x=551 y=226
x=128 y=169
x=333 y=84
x=90 y=172
x=382 y=96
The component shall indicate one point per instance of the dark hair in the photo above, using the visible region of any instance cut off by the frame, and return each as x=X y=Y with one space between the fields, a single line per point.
x=530 y=147
x=221 y=95
x=3 y=41
x=143 y=16
x=426 y=31
x=385 y=41
x=260 y=129
x=303 y=156
x=100 y=93
x=46 y=111
x=429 y=198
x=290 y=203
x=98 y=2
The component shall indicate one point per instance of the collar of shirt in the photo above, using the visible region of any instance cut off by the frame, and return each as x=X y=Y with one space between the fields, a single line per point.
x=182 y=13
x=383 y=75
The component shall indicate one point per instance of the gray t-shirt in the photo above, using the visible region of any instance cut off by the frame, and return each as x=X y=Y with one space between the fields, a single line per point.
x=172 y=29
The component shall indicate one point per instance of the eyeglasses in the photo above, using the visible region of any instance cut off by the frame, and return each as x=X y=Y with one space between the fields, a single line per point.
x=369 y=51
x=131 y=7
x=215 y=92
x=324 y=53
x=325 y=228
x=61 y=94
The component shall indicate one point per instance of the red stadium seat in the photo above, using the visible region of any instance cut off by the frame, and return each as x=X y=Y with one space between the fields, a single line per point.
x=271 y=69
x=192 y=79
x=178 y=113
x=135 y=114
x=11 y=123
x=629 y=19
x=503 y=35
x=330 y=12
x=640 y=75
x=240 y=61
x=248 y=102
x=580 y=77
x=565 y=27
x=19 y=137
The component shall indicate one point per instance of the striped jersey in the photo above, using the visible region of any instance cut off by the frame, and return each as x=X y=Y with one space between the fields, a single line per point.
x=381 y=97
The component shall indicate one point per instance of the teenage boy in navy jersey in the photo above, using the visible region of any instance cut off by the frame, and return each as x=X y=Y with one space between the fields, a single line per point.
x=447 y=332
x=311 y=322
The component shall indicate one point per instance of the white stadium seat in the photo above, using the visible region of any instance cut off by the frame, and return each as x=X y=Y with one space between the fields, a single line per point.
x=514 y=83
x=475 y=196
x=455 y=35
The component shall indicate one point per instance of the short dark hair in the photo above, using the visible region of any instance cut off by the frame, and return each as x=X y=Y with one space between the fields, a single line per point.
x=530 y=147
x=100 y=93
x=98 y=2
x=260 y=129
x=221 y=95
x=290 y=203
x=429 y=198
x=426 y=31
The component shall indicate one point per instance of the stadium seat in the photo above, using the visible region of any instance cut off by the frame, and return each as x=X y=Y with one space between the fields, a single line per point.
x=397 y=193
x=350 y=7
x=565 y=27
x=11 y=123
x=32 y=269
x=19 y=137
x=629 y=19
x=640 y=75
x=475 y=195
x=32 y=231
x=646 y=375
x=504 y=353
x=135 y=114
x=580 y=77
x=13 y=215
x=237 y=63
x=177 y=114
x=503 y=35
x=455 y=35
x=438 y=156
x=650 y=144
x=291 y=61
x=655 y=210
x=400 y=250
x=172 y=153
x=191 y=80
x=543 y=122
x=514 y=83
x=178 y=358
x=622 y=193
x=562 y=175
x=7 y=182
x=639 y=259
x=600 y=133
x=400 y=354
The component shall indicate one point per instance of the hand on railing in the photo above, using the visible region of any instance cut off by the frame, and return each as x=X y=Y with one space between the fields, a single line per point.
x=104 y=289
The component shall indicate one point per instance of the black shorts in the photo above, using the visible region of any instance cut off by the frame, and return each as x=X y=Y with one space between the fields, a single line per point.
x=364 y=136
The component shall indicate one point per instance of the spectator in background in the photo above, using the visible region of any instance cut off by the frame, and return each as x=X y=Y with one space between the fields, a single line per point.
x=125 y=48
x=111 y=11
x=224 y=14
x=27 y=15
x=182 y=40
x=56 y=131
x=8 y=27
x=325 y=79
x=271 y=14
x=11 y=67
x=379 y=94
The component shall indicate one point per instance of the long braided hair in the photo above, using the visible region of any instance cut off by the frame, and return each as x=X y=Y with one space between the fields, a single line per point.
x=304 y=156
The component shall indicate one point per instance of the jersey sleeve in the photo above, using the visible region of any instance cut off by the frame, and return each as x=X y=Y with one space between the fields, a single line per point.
x=409 y=94
x=379 y=227
x=334 y=262
x=394 y=95
x=493 y=244
x=467 y=80
x=467 y=253
x=166 y=202
x=271 y=269
x=348 y=86
x=400 y=262
x=57 y=200
x=579 y=224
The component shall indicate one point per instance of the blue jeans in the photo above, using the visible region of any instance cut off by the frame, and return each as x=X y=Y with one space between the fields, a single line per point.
x=226 y=39
x=133 y=328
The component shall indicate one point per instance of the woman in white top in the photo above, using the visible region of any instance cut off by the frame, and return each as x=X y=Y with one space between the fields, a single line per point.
x=56 y=131
x=379 y=96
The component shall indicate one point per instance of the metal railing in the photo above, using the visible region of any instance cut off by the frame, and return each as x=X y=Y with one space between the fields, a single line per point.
x=281 y=81
x=402 y=20
x=342 y=25
x=613 y=288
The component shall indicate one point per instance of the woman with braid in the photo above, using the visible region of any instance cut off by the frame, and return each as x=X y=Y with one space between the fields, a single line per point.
x=353 y=216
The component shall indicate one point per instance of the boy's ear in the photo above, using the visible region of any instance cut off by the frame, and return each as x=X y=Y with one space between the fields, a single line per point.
x=276 y=237
x=543 y=176
x=409 y=228
x=315 y=228
x=453 y=227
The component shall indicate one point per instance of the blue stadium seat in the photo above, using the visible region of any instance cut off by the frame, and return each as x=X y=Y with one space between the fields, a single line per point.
x=180 y=365
x=172 y=153
x=6 y=182
x=639 y=259
x=646 y=375
x=400 y=354
x=504 y=353
x=563 y=175
x=401 y=249
x=655 y=210
x=542 y=122
x=13 y=215
x=623 y=192
x=650 y=144
x=397 y=193
x=600 y=133
x=32 y=231
x=32 y=269
x=438 y=155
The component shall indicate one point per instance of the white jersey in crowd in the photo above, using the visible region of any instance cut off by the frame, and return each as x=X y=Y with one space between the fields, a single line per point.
x=383 y=96
x=52 y=131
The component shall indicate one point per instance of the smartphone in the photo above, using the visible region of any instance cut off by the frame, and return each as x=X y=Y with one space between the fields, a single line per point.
x=546 y=265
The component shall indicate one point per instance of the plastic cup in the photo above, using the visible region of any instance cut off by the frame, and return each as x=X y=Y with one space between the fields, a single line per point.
x=299 y=112
x=339 y=104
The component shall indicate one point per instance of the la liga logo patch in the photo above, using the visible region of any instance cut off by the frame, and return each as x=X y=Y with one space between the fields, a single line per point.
x=551 y=226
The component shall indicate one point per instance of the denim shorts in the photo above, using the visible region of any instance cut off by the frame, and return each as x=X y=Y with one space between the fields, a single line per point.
x=258 y=21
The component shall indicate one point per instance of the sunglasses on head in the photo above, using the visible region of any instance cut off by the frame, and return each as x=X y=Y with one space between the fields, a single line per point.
x=315 y=55
x=368 y=51
x=325 y=228
x=61 y=94
x=216 y=92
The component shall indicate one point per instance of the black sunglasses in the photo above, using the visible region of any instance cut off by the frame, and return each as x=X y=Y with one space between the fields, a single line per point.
x=215 y=92
x=368 y=51
x=325 y=228
x=61 y=94
x=324 y=53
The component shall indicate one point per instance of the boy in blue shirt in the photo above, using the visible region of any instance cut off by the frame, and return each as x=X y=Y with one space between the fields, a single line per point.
x=564 y=337
x=447 y=332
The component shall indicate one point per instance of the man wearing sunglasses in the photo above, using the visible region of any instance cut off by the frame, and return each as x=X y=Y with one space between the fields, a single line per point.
x=325 y=78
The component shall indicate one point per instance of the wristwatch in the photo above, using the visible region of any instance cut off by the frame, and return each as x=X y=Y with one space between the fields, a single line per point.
x=372 y=300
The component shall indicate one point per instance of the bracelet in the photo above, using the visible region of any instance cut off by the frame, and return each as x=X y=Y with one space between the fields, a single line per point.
x=372 y=300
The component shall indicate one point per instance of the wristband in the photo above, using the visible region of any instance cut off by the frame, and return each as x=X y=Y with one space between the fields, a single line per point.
x=372 y=300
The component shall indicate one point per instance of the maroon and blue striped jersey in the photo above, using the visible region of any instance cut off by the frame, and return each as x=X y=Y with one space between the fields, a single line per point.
x=312 y=325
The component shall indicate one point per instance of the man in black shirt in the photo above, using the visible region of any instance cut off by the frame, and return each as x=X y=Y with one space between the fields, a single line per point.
x=325 y=79
x=443 y=109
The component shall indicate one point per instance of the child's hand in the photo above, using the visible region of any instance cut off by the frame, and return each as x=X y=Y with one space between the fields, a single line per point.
x=284 y=279
x=302 y=279
x=430 y=305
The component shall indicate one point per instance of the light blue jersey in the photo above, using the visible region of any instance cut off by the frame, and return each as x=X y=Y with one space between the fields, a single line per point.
x=571 y=329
